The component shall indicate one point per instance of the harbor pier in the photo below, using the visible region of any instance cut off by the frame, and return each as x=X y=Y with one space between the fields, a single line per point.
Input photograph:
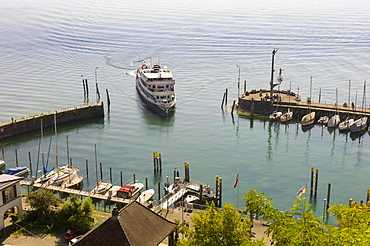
x=260 y=102
x=33 y=123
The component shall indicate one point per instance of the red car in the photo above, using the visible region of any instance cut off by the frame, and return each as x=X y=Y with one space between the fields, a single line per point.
x=72 y=233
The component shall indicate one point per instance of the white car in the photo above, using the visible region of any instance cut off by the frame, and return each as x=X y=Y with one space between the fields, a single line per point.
x=73 y=240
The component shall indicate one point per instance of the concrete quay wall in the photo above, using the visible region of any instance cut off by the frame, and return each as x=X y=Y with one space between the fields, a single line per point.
x=33 y=123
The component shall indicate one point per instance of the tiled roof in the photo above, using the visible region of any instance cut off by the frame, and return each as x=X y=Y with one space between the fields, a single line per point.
x=136 y=225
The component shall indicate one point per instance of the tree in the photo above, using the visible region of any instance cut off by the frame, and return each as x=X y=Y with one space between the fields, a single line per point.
x=45 y=204
x=256 y=203
x=223 y=226
x=77 y=213
x=298 y=227
x=354 y=222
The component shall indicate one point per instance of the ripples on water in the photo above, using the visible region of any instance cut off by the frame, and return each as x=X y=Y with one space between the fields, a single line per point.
x=46 y=47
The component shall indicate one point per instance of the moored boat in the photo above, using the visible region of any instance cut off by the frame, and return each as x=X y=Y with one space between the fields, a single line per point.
x=2 y=165
x=275 y=115
x=323 y=120
x=130 y=191
x=308 y=119
x=358 y=125
x=145 y=196
x=334 y=121
x=102 y=187
x=156 y=86
x=17 y=171
x=344 y=126
x=286 y=116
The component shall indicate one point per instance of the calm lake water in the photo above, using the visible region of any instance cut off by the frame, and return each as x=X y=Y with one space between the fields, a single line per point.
x=47 y=45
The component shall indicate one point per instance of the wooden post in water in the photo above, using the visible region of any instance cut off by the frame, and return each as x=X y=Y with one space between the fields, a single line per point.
x=226 y=97
x=160 y=162
x=121 y=178
x=108 y=100
x=216 y=189
x=220 y=193
x=223 y=100
x=320 y=95
x=201 y=193
x=16 y=157
x=187 y=175
x=156 y=161
x=368 y=196
x=312 y=178
x=146 y=183
x=67 y=149
x=245 y=86
x=96 y=84
x=87 y=168
x=70 y=161
x=30 y=161
x=2 y=153
x=316 y=180
x=96 y=164
x=134 y=177
x=101 y=171
x=328 y=196
x=110 y=175
x=232 y=109
x=174 y=175
x=159 y=191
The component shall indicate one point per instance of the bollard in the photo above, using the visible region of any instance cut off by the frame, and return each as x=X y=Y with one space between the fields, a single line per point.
x=316 y=180
x=328 y=196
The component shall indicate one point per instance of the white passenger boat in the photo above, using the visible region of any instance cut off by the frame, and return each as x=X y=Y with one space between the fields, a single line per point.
x=156 y=86
x=308 y=119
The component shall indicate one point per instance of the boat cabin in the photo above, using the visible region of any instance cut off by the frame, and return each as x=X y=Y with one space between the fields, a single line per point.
x=126 y=191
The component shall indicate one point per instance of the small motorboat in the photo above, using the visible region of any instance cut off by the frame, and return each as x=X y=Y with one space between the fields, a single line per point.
x=344 y=126
x=323 y=120
x=308 y=119
x=102 y=187
x=145 y=196
x=334 y=121
x=275 y=115
x=286 y=116
x=130 y=191
x=18 y=171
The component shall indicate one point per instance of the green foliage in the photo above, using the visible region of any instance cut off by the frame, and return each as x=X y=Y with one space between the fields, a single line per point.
x=298 y=227
x=256 y=203
x=45 y=204
x=354 y=225
x=77 y=214
x=223 y=226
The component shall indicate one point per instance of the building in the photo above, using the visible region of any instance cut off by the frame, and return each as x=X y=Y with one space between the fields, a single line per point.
x=133 y=225
x=10 y=196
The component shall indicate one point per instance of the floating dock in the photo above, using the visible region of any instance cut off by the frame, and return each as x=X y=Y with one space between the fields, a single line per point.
x=259 y=102
x=33 y=123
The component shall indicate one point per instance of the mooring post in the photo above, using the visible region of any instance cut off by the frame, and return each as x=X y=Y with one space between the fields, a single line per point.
x=87 y=90
x=70 y=161
x=121 y=178
x=226 y=97
x=312 y=178
x=87 y=168
x=368 y=195
x=220 y=193
x=223 y=100
x=201 y=193
x=174 y=174
x=187 y=175
x=155 y=161
x=324 y=209
x=16 y=157
x=101 y=172
x=160 y=162
x=110 y=175
x=316 y=180
x=245 y=86
x=2 y=152
x=146 y=183
x=134 y=177
x=232 y=109
x=159 y=191
x=30 y=161
x=83 y=84
x=108 y=99
x=216 y=189
x=328 y=196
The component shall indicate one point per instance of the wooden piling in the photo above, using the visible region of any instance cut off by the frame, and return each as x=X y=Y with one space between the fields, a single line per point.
x=223 y=100
x=245 y=86
x=30 y=162
x=220 y=193
x=108 y=99
x=70 y=162
x=110 y=175
x=328 y=196
x=316 y=180
x=101 y=171
x=187 y=174
x=226 y=97
x=159 y=190
x=2 y=154
x=83 y=84
x=201 y=193
x=134 y=177
x=312 y=179
x=174 y=175
x=87 y=168
x=16 y=157
x=217 y=190
x=232 y=108
x=146 y=183
x=160 y=162
x=121 y=178
x=368 y=195
x=67 y=149
x=87 y=88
